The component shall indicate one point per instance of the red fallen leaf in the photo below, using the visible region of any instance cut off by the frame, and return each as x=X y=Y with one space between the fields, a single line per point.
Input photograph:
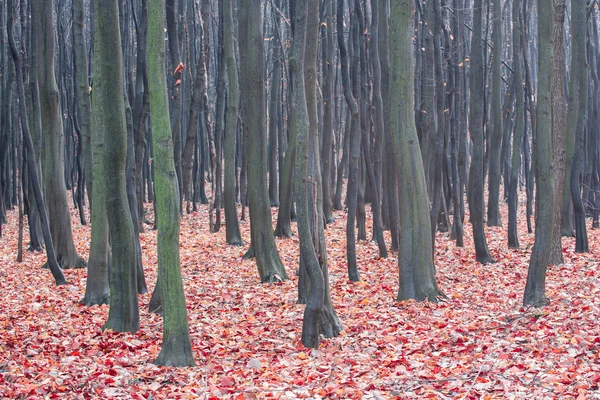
x=227 y=381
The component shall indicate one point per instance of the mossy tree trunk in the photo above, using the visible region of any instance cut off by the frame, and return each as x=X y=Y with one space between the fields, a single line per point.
x=270 y=267
x=108 y=114
x=176 y=347
x=415 y=257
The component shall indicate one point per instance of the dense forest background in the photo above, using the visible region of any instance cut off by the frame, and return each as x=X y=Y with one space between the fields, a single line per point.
x=307 y=170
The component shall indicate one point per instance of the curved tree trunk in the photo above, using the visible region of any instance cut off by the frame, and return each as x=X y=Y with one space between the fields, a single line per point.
x=176 y=349
x=415 y=258
x=57 y=273
x=53 y=139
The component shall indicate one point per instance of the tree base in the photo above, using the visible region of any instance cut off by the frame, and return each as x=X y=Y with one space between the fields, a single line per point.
x=95 y=300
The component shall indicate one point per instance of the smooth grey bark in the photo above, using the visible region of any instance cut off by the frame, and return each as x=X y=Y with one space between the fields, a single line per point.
x=535 y=289
x=515 y=165
x=415 y=257
x=495 y=133
x=476 y=175
x=55 y=269
x=270 y=267
x=559 y=127
x=108 y=100
x=53 y=139
x=232 y=228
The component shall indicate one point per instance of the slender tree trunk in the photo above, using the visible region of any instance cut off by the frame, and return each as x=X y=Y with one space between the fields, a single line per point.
x=233 y=235
x=495 y=134
x=176 y=349
x=53 y=139
x=269 y=263
x=559 y=127
x=535 y=290
x=476 y=175
x=108 y=100
x=57 y=273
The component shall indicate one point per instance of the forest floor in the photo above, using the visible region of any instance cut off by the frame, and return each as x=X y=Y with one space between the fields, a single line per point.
x=478 y=344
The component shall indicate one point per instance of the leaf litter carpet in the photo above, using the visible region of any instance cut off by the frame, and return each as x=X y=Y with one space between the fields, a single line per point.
x=478 y=344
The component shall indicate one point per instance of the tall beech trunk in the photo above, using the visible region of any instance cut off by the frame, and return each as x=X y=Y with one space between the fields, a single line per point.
x=53 y=139
x=232 y=227
x=515 y=165
x=495 y=133
x=535 y=289
x=176 y=349
x=559 y=127
x=476 y=175
x=57 y=273
x=354 y=147
x=415 y=257
x=270 y=267
x=107 y=101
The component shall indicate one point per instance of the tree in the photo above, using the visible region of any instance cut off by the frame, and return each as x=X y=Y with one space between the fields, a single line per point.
x=476 y=176
x=33 y=169
x=53 y=139
x=232 y=227
x=354 y=146
x=559 y=127
x=535 y=289
x=108 y=101
x=513 y=238
x=415 y=257
x=176 y=347
x=495 y=134
x=270 y=267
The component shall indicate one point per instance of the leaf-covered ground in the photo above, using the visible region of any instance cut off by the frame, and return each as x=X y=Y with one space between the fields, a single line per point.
x=480 y=343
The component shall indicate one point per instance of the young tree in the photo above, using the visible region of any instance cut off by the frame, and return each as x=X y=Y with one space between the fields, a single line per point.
x=232 y=227
x=270 y=267
x=476 y=176
x=495 y=134
x=53 y=138
x=31 y=160
x=535 y=290
x=513 y=199
x=415 y=257
x=176 y=347
x=559 y=126
x=108 y=115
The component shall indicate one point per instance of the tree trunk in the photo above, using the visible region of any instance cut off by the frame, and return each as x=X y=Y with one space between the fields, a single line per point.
x=476 y=175
x=108 y=100
x=53 y=140
x=415 y=258
x=495 y=134
x=176 y=349
x=270 y=267
x=535 y=290
x=232 y=227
